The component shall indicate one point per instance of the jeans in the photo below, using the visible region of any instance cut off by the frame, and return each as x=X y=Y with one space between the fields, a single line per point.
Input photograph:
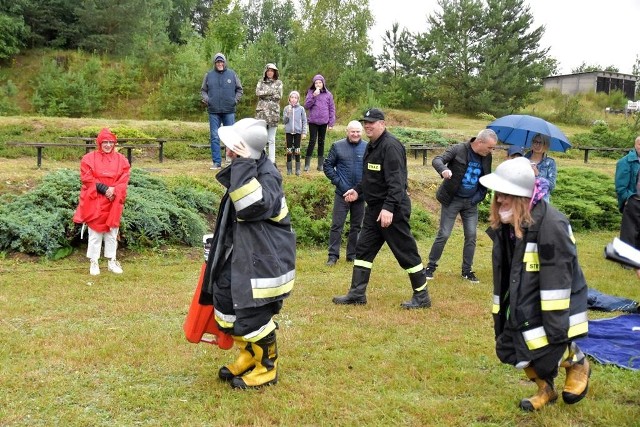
x=469 y=215
x=338 y=218
x=215 y=120
x=271 y=142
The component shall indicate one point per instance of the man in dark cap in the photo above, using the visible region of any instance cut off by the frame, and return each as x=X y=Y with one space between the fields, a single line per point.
x=386 y=218
x=221 y=91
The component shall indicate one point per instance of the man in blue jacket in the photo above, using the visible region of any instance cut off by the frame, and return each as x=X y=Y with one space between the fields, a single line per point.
x=627 y=186
x=343 y=167
x=221 y=91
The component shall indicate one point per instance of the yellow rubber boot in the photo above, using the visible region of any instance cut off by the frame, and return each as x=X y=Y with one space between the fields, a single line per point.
x=546 y=392
x=242 y=364
x=576 y=384
x=265 y=371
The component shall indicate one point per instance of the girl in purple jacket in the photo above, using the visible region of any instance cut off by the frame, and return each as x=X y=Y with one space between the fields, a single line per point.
x=321 y=113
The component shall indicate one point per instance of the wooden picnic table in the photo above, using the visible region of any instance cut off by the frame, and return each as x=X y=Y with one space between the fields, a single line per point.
x=425 y=148
x=39 y=146
x=91 y=140
x=604 y=149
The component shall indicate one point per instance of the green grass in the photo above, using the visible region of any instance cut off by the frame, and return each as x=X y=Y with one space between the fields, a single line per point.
x=109 y=350
x=77 y=350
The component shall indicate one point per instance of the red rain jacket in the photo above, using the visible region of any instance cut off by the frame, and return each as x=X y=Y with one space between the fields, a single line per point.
x=111 y=169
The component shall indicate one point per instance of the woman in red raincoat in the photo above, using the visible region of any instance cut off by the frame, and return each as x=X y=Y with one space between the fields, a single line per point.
x=105 y=175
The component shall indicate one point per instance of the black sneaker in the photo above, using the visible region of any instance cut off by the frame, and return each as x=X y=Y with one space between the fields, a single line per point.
x=428 y=272
x=470 y=276
x=331 y=262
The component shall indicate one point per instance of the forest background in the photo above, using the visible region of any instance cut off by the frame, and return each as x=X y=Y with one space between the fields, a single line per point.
x=145 y=59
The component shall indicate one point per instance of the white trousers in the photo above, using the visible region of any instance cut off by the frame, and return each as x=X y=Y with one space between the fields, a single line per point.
x=271 y=140
x=96 y=238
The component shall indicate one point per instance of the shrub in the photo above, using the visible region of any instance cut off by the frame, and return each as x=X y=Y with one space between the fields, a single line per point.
x=40 y=222
x=588 y=198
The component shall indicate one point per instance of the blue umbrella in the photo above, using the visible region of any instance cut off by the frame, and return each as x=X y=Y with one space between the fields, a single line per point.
x=516 y=129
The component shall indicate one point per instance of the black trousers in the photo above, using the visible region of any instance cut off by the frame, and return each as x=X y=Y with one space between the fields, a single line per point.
x=630 y=224
x=247 y=320
x=398 y=236
x=318 y=132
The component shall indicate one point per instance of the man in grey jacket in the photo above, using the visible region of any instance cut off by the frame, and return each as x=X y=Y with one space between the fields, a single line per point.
x=461 y=166
x=221 y=91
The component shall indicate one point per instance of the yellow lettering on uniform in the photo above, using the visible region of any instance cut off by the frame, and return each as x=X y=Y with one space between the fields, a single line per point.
x=374 y=167
x=531 y=261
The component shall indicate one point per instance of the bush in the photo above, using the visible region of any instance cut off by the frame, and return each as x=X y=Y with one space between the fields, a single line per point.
x=40 y=222
x=70 y=93
x=588 y=198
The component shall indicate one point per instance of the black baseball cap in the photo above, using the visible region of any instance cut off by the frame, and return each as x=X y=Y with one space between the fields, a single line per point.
x=372 y=115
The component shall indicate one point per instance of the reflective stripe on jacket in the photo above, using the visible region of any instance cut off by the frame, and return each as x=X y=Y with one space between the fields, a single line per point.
x=543 y=294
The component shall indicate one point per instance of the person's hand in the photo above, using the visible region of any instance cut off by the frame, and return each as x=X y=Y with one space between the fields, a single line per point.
x=385 y=218
x=303 y=136
x=350 y=196
x=534 y=166
x=316 y=92
x=110 y=193
x=241 y=150
x=447 y=174
x=330 y=127
x=638 y=273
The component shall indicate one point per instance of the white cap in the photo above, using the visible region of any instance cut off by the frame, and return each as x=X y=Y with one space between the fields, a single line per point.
x=250 y=131
x=514 y=177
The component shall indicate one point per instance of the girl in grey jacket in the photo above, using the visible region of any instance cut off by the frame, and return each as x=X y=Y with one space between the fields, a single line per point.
x=294 y=118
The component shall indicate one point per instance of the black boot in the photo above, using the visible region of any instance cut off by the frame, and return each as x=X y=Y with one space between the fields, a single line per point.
x=307 y=163
x=298 y=168
x=357 y=292
x=320 y=162
x=420 y=298
x=289 y=167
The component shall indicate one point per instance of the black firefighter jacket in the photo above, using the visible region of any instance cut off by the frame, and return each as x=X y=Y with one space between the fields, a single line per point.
x=540 y=296
x=254 y=229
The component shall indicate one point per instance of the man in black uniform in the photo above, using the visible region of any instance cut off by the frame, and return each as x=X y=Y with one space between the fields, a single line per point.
x=386 y=219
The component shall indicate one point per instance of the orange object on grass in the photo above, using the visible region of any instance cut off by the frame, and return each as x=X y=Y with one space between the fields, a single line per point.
x=200 y=324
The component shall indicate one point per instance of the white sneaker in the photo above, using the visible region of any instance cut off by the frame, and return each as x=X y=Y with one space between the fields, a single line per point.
x=94 y=270
x=114 y=266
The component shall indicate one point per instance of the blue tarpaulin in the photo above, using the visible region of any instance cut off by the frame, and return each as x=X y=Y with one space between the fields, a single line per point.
x=614 y=341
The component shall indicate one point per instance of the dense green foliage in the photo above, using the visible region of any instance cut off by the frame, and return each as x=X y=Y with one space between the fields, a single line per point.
x=156 y=213
x=476 y=56
x=585 y=196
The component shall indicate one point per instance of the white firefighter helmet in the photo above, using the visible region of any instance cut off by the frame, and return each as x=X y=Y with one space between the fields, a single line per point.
x=514 y=176
x=250 y=131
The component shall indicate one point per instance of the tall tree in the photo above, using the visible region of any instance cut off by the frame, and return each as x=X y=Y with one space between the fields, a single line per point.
x=332 y=36
x=454 y=43
x=587 y=68
x=273 y=16
x=511 y=65
x=485 y=57
x=13 y=30
x=226 y=32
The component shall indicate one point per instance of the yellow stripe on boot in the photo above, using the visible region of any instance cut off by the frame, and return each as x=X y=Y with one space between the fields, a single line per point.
x=265 y=371
x=242 y=364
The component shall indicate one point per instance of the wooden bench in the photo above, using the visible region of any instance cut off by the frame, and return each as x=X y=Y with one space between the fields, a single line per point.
x=603 y=149
x=424 y=149
x=160 y=141
x=88 y=147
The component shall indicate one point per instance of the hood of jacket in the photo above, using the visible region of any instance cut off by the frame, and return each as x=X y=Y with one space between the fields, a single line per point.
x=313 y=83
